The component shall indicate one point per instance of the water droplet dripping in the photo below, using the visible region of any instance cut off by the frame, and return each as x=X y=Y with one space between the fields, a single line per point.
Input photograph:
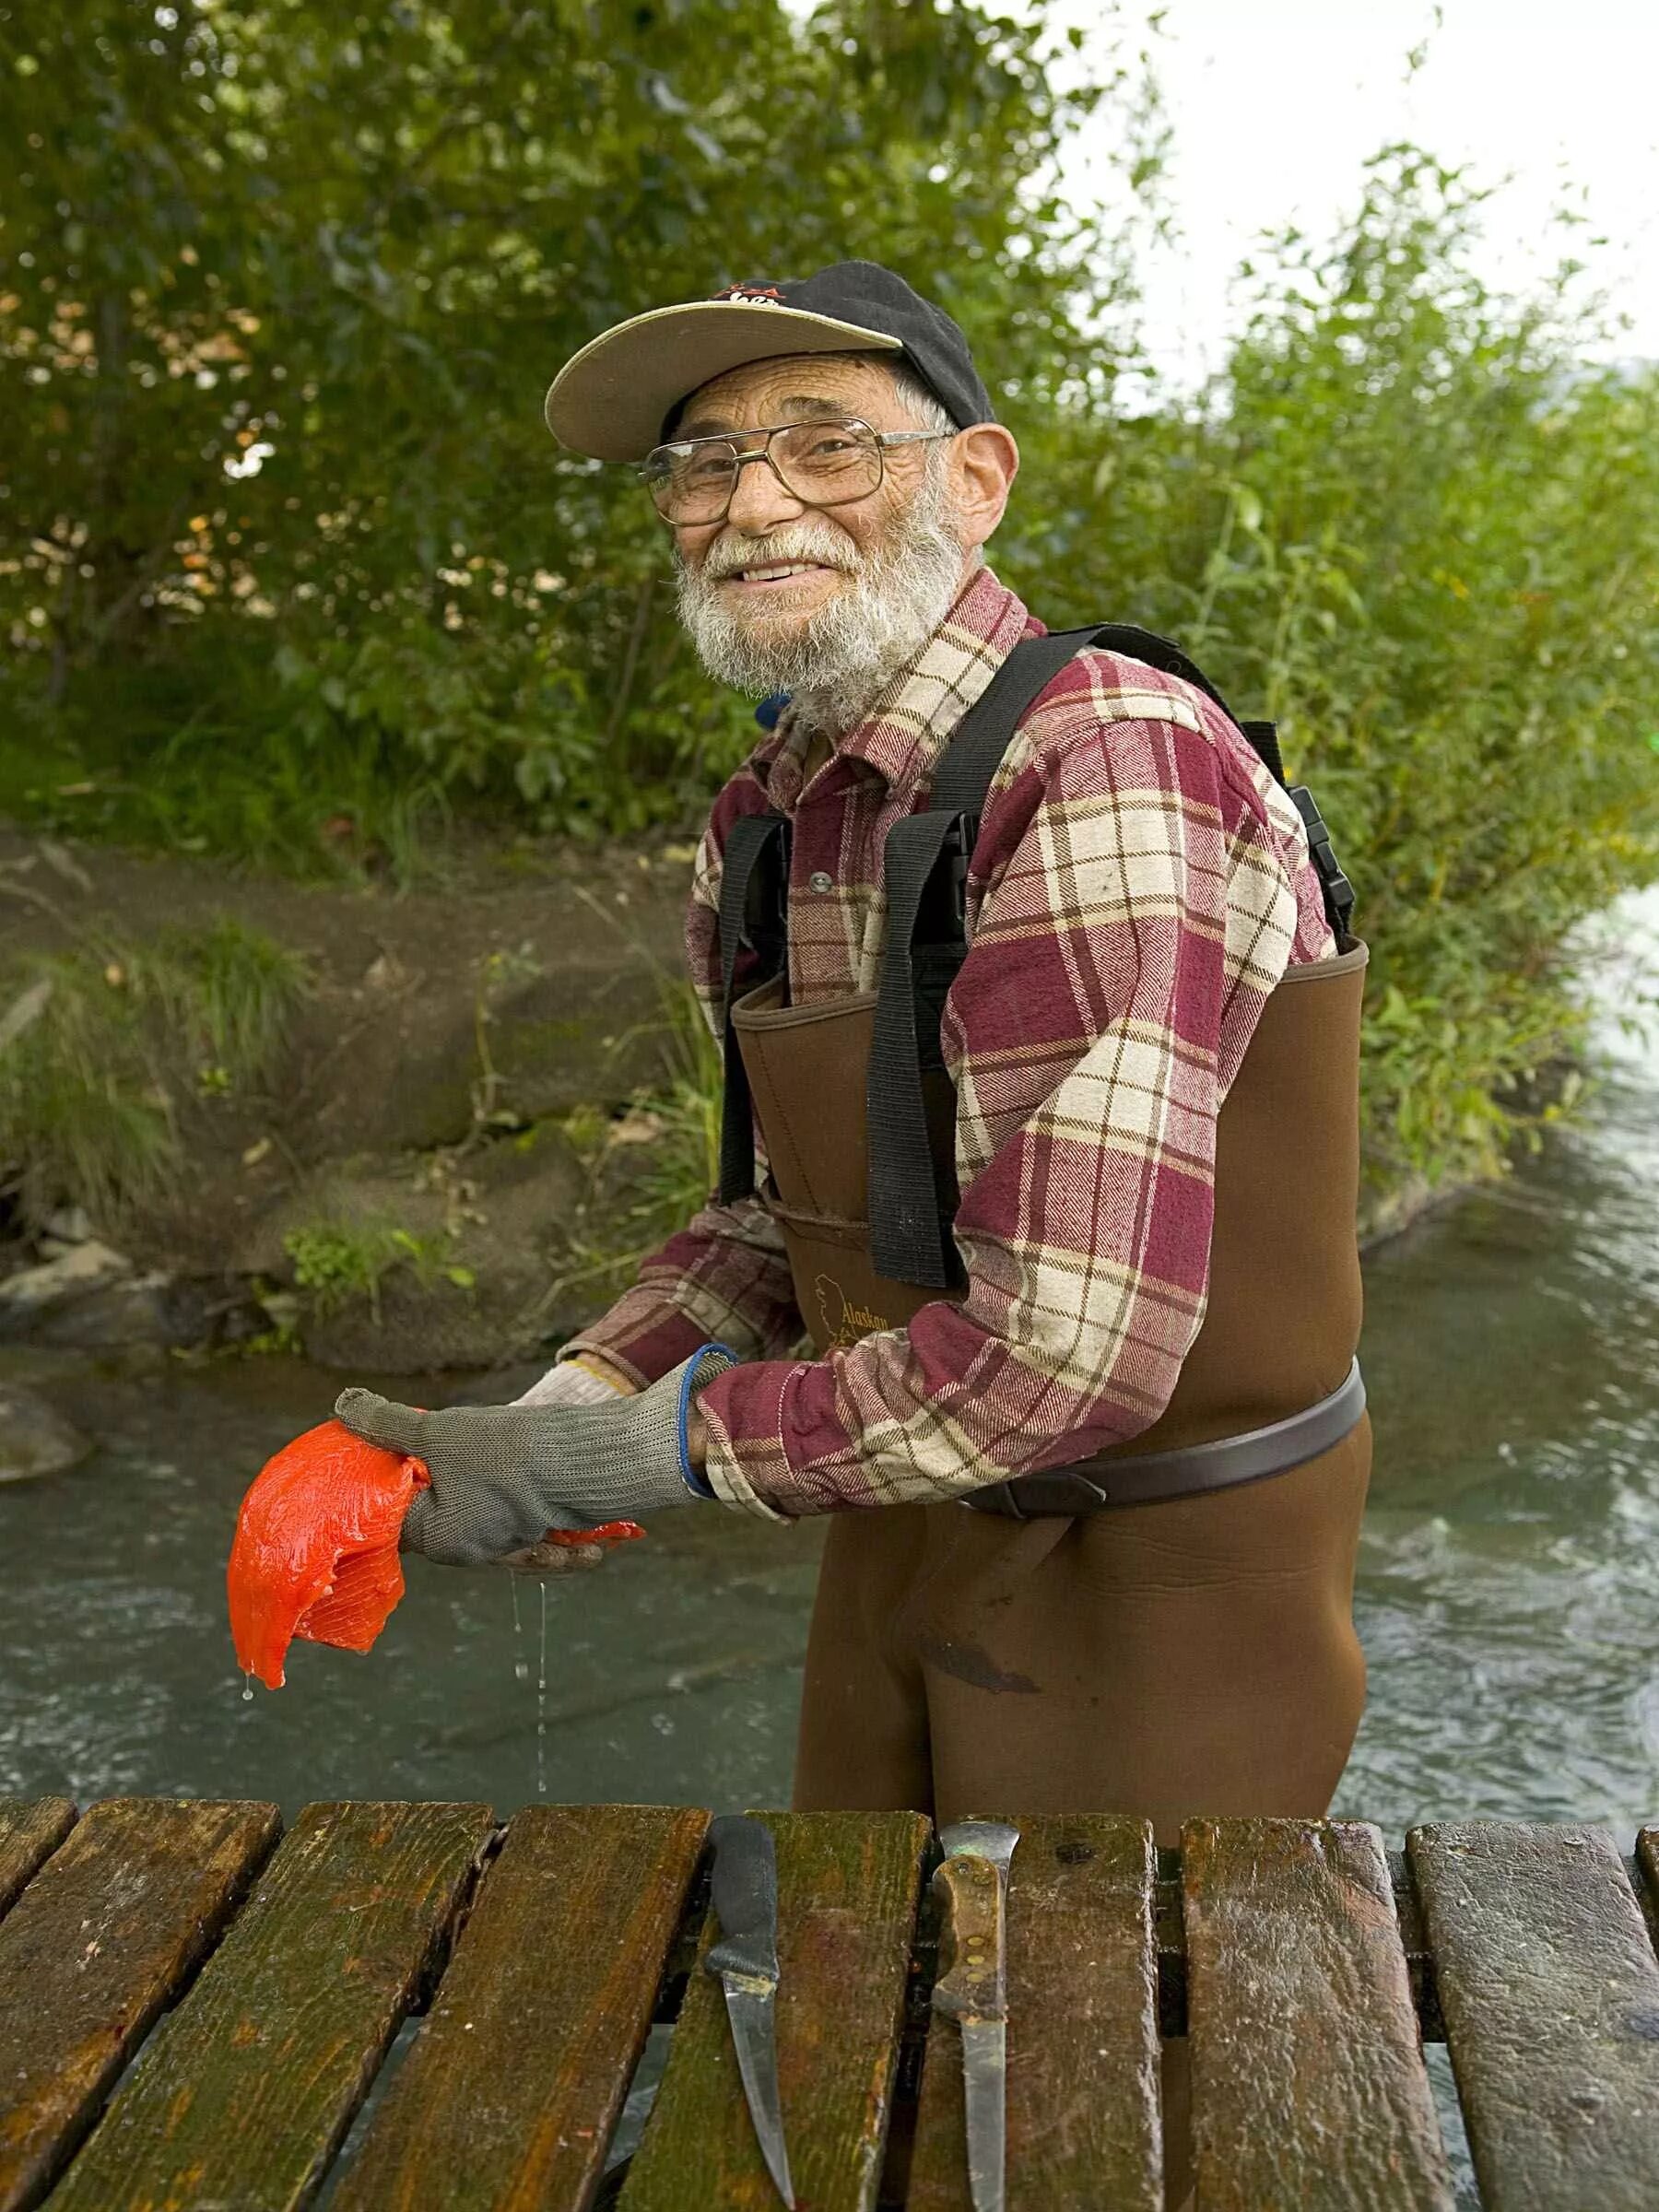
x=541 y=1702
x=520 y=1665
x=247 y=1689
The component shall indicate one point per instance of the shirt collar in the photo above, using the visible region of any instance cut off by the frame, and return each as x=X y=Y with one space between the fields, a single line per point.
x=912 y=718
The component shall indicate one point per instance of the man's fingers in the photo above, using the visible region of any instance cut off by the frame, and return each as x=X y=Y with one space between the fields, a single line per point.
x=415 y=1523
x=380 y=1420
x=555 y=1559
x=433 y=1532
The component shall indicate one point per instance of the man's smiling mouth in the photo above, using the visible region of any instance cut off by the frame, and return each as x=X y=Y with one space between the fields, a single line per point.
x=778 y=572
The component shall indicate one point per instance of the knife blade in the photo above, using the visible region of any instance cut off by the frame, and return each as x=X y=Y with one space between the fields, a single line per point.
x=743 y=1885
x=971 y=1989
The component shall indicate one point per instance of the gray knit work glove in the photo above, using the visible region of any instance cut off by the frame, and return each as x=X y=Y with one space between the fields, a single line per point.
x=503 y=1475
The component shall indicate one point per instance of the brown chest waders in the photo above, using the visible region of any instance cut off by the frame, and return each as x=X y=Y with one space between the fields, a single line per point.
x=1164 y=1629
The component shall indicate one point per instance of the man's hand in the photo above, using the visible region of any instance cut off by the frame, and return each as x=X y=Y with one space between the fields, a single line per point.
x=502 y=1476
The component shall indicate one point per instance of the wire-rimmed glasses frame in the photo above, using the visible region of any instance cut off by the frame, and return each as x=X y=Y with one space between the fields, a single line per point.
x=661 y=467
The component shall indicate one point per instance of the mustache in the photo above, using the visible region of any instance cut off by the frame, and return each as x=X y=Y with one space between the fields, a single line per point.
x=794 y=541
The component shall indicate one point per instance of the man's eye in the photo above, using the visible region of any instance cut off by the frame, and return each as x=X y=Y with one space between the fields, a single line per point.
x=707 y=468
x=828 y=446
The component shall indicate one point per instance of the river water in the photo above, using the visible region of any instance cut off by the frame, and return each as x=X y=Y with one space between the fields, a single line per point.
x=1507 y=1598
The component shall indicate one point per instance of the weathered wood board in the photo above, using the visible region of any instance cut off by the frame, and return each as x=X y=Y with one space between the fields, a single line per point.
x=248 y=2089
x=31 y=1830
x=1549 y=1989
x=109 y=1932
x=1309 y=2088
x=509 y=2095
x=1083 y=2090
x=847 y=1890
x=1288 y=1949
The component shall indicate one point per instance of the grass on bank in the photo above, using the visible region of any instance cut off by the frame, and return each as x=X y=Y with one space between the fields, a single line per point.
x=100 y=1049
x=675 y=1126
x=337 y=1262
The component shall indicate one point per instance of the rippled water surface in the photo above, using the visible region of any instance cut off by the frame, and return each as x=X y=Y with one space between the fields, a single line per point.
x=1509 y=1580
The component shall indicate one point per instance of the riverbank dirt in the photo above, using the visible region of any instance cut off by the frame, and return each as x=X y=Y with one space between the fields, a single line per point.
x=452 y=1098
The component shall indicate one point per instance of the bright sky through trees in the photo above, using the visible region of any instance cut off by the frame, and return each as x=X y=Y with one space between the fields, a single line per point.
x=1273 y=106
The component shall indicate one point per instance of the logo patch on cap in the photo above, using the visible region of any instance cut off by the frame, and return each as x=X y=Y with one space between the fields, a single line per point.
x=754 y=295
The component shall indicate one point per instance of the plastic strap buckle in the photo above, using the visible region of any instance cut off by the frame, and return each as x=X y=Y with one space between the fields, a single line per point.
x=1338 y=892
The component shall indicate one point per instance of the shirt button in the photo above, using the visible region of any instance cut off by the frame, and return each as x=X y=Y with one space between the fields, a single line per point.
x=818 y=881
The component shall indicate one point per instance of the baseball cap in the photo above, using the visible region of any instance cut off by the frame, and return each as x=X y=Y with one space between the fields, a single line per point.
x=614 y=399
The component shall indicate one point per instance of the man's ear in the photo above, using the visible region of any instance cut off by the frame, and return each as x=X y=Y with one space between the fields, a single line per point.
x=984 y=462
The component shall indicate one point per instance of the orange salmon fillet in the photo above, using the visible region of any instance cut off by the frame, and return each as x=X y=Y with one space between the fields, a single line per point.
x=315 y=1552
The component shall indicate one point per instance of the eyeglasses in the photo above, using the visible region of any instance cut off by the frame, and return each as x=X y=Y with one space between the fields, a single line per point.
x=826 y=462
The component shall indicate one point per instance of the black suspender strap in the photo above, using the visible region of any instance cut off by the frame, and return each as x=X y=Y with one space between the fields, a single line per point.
x=925 y=869
x=910 y=1235
x=754 y=895
x=985 y=731
x=1264 y=738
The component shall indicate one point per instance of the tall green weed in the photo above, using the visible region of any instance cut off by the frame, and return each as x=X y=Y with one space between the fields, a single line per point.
x=103 y=1049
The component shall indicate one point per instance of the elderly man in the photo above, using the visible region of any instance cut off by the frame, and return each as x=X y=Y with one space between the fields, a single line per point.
x=1041 y=1056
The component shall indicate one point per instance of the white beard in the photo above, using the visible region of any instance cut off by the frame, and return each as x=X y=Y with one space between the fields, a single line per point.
x=834 y=663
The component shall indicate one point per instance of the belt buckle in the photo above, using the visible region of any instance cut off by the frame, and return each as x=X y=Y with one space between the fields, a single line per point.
x=1090 y=1497
x=1008 y=1508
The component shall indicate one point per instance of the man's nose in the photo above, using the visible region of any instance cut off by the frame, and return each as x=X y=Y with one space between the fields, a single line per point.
x=760 y=502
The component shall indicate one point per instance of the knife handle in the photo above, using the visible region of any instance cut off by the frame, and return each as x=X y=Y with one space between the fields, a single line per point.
x=743 y=1887
x=972 y=1983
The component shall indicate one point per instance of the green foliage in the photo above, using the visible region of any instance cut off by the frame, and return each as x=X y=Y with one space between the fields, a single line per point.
x=283 y=291
x=1411 y=525
x=338 y=1262
x=289 y=568
x=100 y=1049
x=200 y=753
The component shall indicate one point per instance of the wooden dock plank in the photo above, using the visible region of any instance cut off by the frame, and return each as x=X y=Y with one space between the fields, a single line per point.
x=511 y=2088
x=1549 y=1990
x=31 y=1830
x=245 y=2093
x=1309 y=2088
x=1083 y=2090
x=848 y=1885
x=105 y=1935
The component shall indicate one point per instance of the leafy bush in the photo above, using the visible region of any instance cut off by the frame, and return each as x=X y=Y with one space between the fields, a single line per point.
x=1411 y=525
x=286 y=289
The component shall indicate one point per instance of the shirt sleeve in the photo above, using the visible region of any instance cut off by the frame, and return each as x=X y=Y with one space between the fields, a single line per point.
x=724 y=1277
x=1139 y=904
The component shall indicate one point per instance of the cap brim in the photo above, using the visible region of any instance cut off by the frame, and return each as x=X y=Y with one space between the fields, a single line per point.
x=609 y=400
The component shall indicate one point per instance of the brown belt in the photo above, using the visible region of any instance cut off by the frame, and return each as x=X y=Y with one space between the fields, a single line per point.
x=1185 y=1472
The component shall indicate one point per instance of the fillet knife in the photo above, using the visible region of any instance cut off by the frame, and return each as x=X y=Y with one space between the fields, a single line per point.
x=745 y=1962
x=972 y=1884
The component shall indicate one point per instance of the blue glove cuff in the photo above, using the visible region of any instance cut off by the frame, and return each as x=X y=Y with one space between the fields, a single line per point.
x=699 y=1369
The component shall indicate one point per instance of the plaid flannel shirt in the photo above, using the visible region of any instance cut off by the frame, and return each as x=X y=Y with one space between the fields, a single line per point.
x=1139 y=887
